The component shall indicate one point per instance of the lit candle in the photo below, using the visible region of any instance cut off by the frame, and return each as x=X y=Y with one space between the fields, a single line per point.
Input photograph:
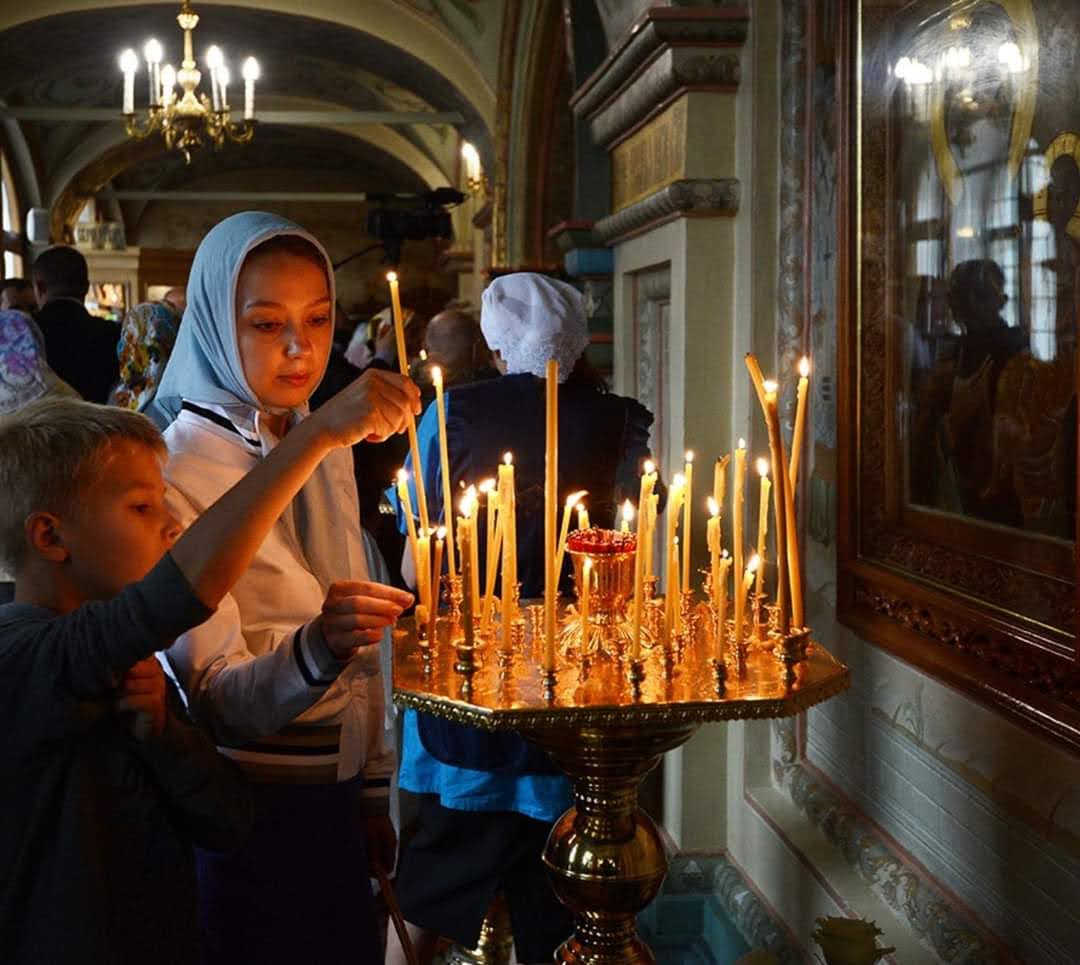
x=627 y=516
x=687 y=539
x=737 y=544
x=583 y=600
x=436 y=570
x=645 y=507
x=740 y=603
x=763 y=520
x=472 y=586
x=251 y=74
x=675 y=497
x=582 y=516
x=671 y=599
x=776 y=447
x=800 y=421
x=410 y=525
x=465 y=536
x=444 y=465
x=712 y=540
x=403 y=364
x=571 y=501
x=551 y=483
x=719 y=491
x=129 y=63
x=507 y=529
x=423 y=567
x=494 y=541
x=722 y=605
x=152 y=52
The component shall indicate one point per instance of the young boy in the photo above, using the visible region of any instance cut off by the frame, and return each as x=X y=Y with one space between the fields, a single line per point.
x=104 y=786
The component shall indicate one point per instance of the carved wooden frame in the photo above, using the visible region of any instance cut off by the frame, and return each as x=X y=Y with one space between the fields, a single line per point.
x=928 y=601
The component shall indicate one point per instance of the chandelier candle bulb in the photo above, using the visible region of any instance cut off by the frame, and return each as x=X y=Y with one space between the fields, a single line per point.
x=444 y=465
x=214 y=60
x=737 y=544
x=776 y=447
x=251 y=74
x=582 y=517
x=168 y=85
x=551 y=483
x=800 y=421
x=152 y=52
x=129 y=63
x=763 y=521
x=403 y=365
x=223 y=81
x=688 y=502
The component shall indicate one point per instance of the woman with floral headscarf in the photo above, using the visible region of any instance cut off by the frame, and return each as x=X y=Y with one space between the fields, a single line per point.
x=25 y=377
x=146 y=342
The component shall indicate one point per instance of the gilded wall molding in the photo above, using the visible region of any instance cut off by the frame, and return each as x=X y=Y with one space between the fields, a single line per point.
x=652 y=157
x=718 y=197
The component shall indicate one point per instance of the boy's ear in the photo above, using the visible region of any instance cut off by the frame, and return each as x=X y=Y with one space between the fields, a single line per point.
x=43 y=534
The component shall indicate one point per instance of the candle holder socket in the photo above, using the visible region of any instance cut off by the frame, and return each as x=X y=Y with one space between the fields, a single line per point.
x=610 y=631
x=719 y=666
x=550 y=680
x=791 y=651
x=454 y=596
x=636 y=676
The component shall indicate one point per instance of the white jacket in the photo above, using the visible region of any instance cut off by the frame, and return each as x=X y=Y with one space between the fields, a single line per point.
x=256 y=666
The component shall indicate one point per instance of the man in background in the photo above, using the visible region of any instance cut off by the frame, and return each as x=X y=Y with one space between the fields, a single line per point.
x=79 y=347
x=177 y=298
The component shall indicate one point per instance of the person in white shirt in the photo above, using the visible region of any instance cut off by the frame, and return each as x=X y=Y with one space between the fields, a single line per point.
x=286 y=675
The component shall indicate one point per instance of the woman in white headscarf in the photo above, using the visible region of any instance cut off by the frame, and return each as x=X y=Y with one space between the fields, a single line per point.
x=286 y=674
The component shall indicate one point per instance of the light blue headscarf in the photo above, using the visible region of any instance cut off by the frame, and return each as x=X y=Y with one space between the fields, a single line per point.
x=205 y=367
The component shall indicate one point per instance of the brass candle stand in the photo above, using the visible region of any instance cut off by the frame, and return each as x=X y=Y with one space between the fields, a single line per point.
x=607 y=728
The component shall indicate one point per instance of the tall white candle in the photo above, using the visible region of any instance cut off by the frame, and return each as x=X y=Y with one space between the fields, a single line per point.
x=129 y=63
x=251 y=74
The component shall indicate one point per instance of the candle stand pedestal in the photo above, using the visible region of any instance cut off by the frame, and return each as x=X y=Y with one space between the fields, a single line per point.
x=606 y=730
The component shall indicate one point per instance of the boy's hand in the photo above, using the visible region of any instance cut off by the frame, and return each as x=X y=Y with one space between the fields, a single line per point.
x=356 y=612
x=142 y=690
x=373 y=408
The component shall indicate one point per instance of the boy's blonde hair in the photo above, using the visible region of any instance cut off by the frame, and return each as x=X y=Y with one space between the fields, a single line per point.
x=49 y=451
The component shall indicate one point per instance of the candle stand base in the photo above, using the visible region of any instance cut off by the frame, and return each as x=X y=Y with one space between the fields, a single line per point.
x=496 y=941
x=604 y=856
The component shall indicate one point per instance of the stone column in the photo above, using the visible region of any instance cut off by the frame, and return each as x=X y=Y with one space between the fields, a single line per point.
x=663 y=105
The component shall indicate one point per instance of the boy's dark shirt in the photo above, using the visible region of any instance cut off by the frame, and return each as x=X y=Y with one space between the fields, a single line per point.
x=96 y=828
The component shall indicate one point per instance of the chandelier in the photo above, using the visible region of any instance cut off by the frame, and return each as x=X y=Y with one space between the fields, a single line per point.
x=186 y=117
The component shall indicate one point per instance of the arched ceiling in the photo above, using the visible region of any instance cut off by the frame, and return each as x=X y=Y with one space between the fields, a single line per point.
x=345 y=55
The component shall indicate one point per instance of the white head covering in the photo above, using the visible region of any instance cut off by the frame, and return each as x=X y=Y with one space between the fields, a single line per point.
x=530 y=318
x=205 y=367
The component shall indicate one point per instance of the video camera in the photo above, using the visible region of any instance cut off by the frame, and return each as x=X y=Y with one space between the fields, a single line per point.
x=399 y=218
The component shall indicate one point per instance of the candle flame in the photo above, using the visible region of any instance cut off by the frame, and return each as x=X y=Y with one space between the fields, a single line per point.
x=508 y=459
x=689 y=455
x=714 y=507
x=755 y=562
x=402 y=475
x=725 y=555
x=580 y=507
x=678 y=480
x=574 y=499
x=440 y=533
x=436 y=374
x=487 y=486
x=650 y=466
x=770 y=387
x=627 y=511
x=742 y=443
x=391 y=276
x=763 y=467
x=804 y=367
x=468 y=502
x=423 y=356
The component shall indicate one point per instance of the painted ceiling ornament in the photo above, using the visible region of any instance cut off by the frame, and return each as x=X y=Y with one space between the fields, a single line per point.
x=185 y=119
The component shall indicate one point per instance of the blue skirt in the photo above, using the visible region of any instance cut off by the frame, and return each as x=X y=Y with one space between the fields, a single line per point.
x=299 y=890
